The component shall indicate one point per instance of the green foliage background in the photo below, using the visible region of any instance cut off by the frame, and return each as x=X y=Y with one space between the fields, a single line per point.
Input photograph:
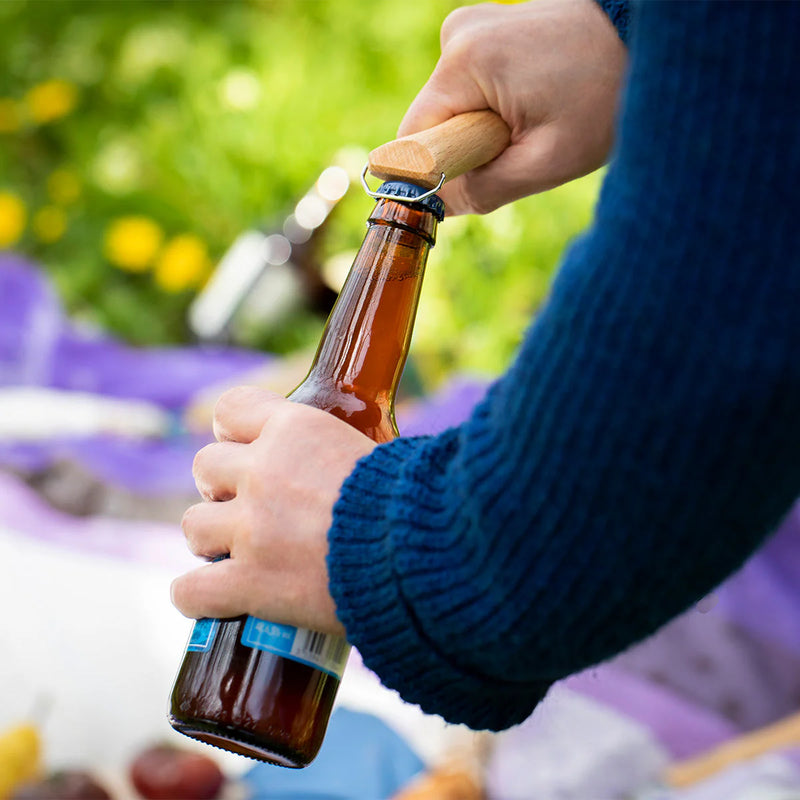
x=151 y=135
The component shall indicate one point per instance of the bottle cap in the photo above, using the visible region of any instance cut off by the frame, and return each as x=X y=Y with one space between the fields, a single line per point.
x=404 y=191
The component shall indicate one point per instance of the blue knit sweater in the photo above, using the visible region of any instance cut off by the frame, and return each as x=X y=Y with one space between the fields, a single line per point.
x=646 y=438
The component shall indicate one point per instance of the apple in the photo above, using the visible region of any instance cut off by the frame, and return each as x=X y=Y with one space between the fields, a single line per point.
x=167 y=772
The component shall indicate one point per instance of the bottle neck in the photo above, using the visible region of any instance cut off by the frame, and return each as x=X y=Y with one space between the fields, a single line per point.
x=365 y=343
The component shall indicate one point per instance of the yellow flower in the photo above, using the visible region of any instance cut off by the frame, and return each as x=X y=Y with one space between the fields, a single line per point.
x=64 y=186
x=13 y=216
x=51 y=100
x=49 y=224
x=131 y=243
x=183 y=263
x=9 y=115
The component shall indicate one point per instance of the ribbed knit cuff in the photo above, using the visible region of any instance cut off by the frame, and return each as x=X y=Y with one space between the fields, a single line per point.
x=619 y=12
x=378 y=619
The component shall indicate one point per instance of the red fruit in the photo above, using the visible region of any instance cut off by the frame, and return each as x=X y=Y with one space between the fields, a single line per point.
x=165 y=772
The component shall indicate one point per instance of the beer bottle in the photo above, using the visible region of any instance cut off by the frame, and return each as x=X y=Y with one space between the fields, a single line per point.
x=266 y=690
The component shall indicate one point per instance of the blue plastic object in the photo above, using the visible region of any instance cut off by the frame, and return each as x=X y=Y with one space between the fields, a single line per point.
x=360 y=759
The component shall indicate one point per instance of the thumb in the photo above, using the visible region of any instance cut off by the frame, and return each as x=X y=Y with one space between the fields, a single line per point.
x=530 y=165
x=429 y=108
x=448 y=92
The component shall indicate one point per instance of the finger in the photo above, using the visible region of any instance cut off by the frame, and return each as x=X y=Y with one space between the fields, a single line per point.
x=464 y=17
x=220 y=589
x=217 y=469
x=213 y=590
x=224 y=589
x=442 y=97
x=532 y=165
x=452 y=87
x=430 y=107
x=209 y=528
x=450 y=90
x=240 y=413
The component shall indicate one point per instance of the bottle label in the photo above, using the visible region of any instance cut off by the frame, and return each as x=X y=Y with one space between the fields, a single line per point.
x=323 y=651
x=203 y=635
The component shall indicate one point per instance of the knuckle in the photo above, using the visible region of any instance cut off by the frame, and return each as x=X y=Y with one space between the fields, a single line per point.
x=222 y=408
x=187 y=520
x=226 y=399
x=470 y=22
x=227 y=404
x=178 y=595
x=200 y=461
x=195 y=532
x=457 y=53
x=232 y=396
x=458 y=19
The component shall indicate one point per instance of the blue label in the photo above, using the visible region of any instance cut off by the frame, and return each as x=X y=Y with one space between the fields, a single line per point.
x=269 y=636
x=203 y=635
x=323 y=651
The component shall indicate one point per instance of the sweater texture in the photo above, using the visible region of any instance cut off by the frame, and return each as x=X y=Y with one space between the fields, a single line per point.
x=646 y=438
x=619 y=13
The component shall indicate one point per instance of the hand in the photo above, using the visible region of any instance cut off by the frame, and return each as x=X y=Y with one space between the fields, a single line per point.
x=269 y=485
x=551 y=68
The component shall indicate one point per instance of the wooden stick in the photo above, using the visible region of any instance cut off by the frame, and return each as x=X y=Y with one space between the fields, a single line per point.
x=454 y=147
x=782 y=734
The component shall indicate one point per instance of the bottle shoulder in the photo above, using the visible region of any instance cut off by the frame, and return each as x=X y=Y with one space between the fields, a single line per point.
x=370 y=414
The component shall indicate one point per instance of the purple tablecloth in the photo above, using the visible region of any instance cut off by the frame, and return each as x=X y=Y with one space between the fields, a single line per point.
x=731 y=664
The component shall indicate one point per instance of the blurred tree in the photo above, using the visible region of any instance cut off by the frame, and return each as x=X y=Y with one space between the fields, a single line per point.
x=207 y=118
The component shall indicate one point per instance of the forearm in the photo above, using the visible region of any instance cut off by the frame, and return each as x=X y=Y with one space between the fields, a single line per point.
x=644 y=442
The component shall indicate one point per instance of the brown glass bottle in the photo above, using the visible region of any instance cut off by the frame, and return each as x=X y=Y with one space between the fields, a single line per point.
x=230 y=691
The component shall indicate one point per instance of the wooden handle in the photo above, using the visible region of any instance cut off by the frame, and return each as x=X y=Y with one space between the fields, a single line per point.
x=454 y=147
x=781 y=734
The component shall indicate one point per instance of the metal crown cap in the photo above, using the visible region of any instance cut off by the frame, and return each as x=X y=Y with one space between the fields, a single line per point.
x=402 y=190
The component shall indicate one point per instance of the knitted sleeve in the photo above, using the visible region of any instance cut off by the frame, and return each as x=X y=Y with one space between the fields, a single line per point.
x=646 y=439
x=619 y=12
